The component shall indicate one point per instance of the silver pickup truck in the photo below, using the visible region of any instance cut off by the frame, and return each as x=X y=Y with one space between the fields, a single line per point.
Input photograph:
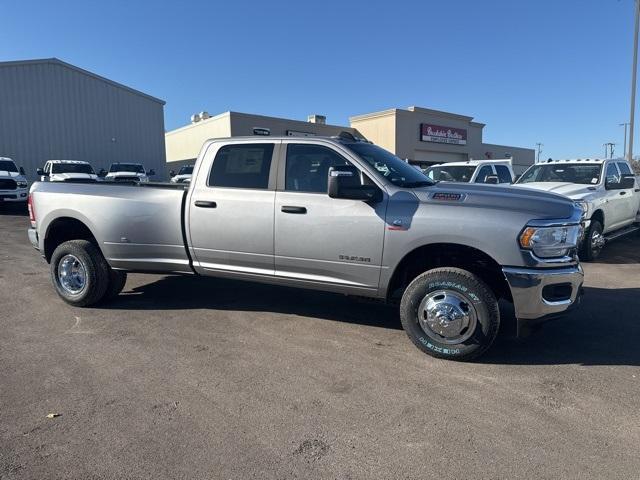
x=333 y=214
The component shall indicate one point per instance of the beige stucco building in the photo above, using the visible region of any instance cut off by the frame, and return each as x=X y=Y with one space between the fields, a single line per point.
x=420 y=135
x=426 y=137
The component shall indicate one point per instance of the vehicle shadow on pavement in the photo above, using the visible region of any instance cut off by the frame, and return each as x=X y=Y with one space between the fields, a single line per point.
x=9 y=208
x=179 y=292
x=603 y=330
x=621 y=251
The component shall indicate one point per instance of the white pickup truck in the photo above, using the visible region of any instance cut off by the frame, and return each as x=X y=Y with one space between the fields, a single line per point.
x=606 y=190
x=13 y=183
x=473 y=171
x=67 y=171
x=128 y=172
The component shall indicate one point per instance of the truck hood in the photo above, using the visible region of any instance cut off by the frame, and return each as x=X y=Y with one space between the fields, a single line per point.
x=537 y=204
x=63 y=177
x=7 y=174
x=575 y=191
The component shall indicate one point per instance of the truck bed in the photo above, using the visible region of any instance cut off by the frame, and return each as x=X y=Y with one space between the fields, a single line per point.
x=137 y=226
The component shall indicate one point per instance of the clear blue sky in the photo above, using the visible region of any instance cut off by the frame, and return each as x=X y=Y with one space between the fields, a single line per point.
x=554 y=71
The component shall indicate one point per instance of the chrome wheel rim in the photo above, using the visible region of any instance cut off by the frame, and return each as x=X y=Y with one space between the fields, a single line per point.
x=72 y=275
x=447 y=316
x=597 y=240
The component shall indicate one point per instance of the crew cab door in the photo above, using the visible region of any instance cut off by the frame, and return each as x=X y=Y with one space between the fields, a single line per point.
x=319 y=239
x=230 y=209
x=631 y=195
x=615 y=207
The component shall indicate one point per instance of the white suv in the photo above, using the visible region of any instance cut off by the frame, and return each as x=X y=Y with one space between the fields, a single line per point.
x=13 y=183
x=473 y=171
x=606 y=190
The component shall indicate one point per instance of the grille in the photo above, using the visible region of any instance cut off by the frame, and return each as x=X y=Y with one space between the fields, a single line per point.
x=7 y=184
x=126 y=179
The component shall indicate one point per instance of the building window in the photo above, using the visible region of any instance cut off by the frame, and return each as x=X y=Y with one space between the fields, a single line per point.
x=242 y=166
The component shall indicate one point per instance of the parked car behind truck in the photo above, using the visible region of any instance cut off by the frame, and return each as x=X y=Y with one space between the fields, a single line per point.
x=67 y=171
x=473 y=171
x=13 y=182
x=606 y=190
x=331 y=214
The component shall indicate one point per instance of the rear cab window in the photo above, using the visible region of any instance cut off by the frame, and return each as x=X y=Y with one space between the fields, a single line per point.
x=504 y=175
x=242 y=166
x=483 y=173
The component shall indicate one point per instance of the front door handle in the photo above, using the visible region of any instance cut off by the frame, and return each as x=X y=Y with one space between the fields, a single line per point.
x=623 y=193
x=291 y=209
x=205 y=204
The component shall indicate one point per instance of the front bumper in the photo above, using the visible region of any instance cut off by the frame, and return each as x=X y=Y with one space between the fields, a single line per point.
x=32 y=233
x=542 y=293
x=19 y=195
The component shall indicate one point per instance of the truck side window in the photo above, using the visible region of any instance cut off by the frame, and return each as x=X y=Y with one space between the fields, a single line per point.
x=242 y=166
x=307 y=167
x=483 y=174
x=624 y=168
x=612 y=173
x=503 y=174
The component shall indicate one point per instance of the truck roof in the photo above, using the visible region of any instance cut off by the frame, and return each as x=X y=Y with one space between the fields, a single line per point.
x=474 y=163
x=585 y=160
x=343 y=137
x=69 y=161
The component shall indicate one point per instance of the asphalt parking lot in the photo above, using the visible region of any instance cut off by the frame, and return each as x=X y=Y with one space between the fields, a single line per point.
x=204 y=378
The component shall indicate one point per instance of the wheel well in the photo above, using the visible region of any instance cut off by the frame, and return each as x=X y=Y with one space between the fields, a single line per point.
x=599 y=216
x=438 y=255
x=64 y=229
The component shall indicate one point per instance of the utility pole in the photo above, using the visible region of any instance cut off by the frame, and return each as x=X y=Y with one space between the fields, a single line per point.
x=539 y=145
x=625 y=125
x=608 y=145
x=633 y=81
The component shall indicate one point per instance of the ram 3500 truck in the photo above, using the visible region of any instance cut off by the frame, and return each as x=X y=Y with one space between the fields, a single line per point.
x=333 y=214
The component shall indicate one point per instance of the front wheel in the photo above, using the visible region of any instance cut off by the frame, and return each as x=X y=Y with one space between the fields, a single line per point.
x=593 y=242
x=450 y=313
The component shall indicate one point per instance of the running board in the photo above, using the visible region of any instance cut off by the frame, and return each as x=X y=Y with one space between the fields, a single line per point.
x=622 y=233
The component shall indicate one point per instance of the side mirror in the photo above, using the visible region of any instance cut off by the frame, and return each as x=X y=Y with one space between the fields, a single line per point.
x=22 y=171
x=172 y=173
x=39 y=171
x=344 y=182
x=610 y=183
x=492 y=179
x=151 y=172
x=628 y=181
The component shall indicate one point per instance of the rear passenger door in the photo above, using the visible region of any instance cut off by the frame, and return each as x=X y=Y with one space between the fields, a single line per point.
x=319 y=239
x=231 y=209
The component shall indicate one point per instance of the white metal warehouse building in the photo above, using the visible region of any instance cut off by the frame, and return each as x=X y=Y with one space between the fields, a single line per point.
x=51 y=110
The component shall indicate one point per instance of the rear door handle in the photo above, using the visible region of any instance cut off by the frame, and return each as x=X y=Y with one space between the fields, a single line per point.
x=205 y=204
x=291 y=209
x=623 y=193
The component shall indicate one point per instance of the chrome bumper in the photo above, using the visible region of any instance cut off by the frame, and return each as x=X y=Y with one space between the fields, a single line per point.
x=531 y=300
x=33 y=238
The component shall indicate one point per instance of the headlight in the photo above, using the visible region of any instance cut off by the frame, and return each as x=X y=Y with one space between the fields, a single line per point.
x=21 y=184
x=549 y=242
x=584 y=206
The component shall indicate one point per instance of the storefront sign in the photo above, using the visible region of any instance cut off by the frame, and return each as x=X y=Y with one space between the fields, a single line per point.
x=440 y=134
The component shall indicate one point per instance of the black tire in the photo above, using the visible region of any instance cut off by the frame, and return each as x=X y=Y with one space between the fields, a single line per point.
x=476 y=338
x=117 y=280
x=96 y=272
x=587 y=252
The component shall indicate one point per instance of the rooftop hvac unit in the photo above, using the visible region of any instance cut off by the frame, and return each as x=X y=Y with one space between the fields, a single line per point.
x=195 y=118
x=204 y=115
x=319 y=119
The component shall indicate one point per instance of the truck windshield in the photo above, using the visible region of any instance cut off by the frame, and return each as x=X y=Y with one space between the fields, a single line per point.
x=563 y=172
x=390 y=167
x=456 y=173
x=126 y=167
x=186 y=170
x=7 y=166
x=72 y=168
